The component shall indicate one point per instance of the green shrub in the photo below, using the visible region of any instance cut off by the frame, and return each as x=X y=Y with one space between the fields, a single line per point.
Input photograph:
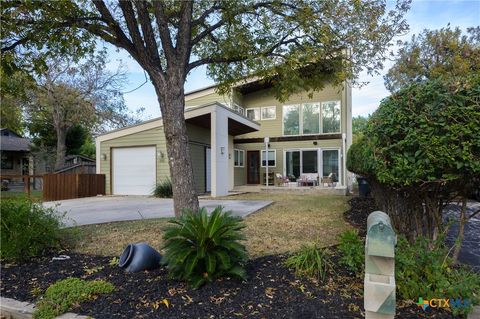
x=28 y=229
x=423 y=269
x=62 y=295
x=311 y=262
x=200 y=248
x=163 y=189
x=352 y=251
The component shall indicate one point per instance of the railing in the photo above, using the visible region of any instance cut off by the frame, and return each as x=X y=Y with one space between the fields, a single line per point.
x=27 y=182
x=237 y=108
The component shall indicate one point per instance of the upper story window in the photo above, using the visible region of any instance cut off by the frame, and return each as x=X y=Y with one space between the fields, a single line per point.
x=269 y=112
x=311 y=118
x=331 y=117
x=262 y=113
x=253 y=114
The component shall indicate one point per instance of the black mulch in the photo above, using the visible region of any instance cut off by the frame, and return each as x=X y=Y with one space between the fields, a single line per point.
x=271 y=291
x=358 y=213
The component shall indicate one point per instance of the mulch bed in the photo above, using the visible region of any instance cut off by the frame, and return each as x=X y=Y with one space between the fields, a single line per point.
x=271 y=291
x=358 y=213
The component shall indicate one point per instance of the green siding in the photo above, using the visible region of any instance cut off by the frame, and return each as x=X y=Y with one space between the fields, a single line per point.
x=197 y=152
x=198 y=134
x=206 y=99
x=149 y=137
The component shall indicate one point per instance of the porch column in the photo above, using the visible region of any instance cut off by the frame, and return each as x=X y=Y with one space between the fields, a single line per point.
x=219 y=144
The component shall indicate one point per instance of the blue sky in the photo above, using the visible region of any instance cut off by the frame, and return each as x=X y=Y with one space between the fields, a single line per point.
x=433 y=14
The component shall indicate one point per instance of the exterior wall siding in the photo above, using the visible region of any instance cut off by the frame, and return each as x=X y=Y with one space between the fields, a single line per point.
x=197 y=152
x=156 y=137
x=210 y=98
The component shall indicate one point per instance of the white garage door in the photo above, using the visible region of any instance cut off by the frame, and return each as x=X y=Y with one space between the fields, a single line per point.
x=133 y=170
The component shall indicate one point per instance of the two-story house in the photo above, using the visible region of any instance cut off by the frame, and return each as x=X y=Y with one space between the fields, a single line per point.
x=307 y=138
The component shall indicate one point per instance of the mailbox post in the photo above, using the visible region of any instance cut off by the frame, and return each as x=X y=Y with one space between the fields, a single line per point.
x=379 y=283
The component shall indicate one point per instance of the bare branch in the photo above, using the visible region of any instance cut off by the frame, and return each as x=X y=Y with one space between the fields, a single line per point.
x=147 y=30
x=162 y=24
x=132 y=25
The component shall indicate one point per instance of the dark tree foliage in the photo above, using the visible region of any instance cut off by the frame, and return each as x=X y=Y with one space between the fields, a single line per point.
x=420 y=150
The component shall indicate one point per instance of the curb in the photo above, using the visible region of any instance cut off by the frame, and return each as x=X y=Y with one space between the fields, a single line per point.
x=14 y=309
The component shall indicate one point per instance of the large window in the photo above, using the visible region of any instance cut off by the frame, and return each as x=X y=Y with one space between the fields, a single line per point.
x=272 y=155
x=331 y=117
x=330 y=163
x=291 y=122
x=311 y=161
x=238 y=158
x=310 y=118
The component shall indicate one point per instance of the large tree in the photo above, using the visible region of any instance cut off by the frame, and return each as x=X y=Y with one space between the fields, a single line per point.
x=233 y=38
x=435 y=53
x=68 y=94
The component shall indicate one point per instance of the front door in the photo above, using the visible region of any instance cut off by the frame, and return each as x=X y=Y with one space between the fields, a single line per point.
x=253 y=167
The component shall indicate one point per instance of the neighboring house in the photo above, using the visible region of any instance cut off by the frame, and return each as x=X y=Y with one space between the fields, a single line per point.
x=78 y=164
x=15 y=153
x=308 y=136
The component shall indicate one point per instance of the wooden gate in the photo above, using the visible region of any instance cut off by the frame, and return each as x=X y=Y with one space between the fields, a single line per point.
x=67 y=186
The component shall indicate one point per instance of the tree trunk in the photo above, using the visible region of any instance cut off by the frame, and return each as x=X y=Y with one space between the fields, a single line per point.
x=462 y=219
x=61 y=148
x=178 y=149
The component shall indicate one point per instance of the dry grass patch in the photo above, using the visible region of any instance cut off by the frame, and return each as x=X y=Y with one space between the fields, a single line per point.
x=290 y=222
x=112 y=238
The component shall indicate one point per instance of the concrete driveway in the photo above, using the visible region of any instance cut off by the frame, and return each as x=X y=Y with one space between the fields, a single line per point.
x=105 y=209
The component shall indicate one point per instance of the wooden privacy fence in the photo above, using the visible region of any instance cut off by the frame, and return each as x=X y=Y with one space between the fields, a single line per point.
x=67 y=186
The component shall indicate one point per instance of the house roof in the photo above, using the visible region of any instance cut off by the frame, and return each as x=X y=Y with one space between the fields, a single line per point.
x=11 y=141
x=190 y=115
x=69 y=157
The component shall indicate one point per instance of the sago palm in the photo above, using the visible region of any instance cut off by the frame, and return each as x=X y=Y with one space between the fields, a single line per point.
x=200 y=247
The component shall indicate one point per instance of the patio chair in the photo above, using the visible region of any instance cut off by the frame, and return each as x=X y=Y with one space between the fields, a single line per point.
x=281 y=180
x=330 y=180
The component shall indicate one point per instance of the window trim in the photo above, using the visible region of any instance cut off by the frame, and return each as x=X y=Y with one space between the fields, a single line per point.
x=243 y=157
x=320 y=118
x=254 y=108
x=274 y=157
x=268 y=107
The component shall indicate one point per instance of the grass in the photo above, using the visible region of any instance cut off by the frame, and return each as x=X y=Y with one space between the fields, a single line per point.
x=35 y=195
x=291 y=222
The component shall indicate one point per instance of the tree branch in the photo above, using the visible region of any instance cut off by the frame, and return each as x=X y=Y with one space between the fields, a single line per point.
x=183 y=41
x=147 y=30
x=270 y=51
x=132 y=25
x=162 y=23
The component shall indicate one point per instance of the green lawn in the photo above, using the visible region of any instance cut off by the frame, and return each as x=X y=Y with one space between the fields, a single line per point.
x=35 y=195
x=290 y=222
